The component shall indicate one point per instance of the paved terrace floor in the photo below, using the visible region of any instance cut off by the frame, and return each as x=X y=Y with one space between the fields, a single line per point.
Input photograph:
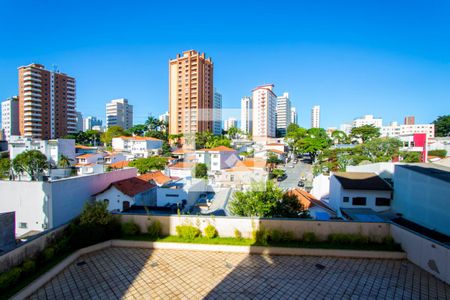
x=128 y=273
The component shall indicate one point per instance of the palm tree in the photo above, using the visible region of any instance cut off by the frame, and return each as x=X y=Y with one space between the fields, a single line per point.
x=64 y=161
x=152 y=123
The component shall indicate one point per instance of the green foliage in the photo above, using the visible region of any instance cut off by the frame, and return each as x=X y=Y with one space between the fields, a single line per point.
x=273 y=159
x=442 y=126
x=31 y=162
x=188 y=232
x=154 y=229
x=87 y=138
x=48 y=253
x=166 y=151
x=442 y=153
x=64 y=161
x=237 y=234
x=137 y=130
x=145 y=165
x=310 y=141
x=96 y=213
x=201 y=171
x=112 y=132
x=261 y=236
x=411 y=156
x=278 y=236
x=28 y=266
x=130 y=228
x=339 y=137
x=233 y=132
x=211 y=232
x=8 y=278
x=5 y=165
x=365 y=133
x=277 y=173
x=309 y=237
x=348 y=238
x=290 y=207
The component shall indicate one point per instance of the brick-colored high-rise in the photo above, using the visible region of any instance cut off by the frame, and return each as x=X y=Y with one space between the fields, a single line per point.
x=46 y=103
x=190 y=93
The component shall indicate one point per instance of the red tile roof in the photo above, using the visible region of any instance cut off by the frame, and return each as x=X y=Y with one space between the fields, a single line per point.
x=86 y=155
x=120 y=164
x=308 y=200
x=158 y=177
x=139 y=138
x=182 y=151
x=219 y=148
x=248 y=165
x=276 y=151
x=182 y=165
x=131 y=186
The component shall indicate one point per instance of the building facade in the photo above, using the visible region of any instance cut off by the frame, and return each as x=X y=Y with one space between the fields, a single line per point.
x=410 y=120
x=90 y=122
x=190 y=93
x=47 y=103
x=246 y=115
x=119 y=113
x=228 y=123
x=283 y=114
x=264 y=111
x=294 y=116
x=164 y=117
x=395 y=130
x=315 y=117
x=79 y=121
x=217 y=113
x=10 y=117
x=367 y=120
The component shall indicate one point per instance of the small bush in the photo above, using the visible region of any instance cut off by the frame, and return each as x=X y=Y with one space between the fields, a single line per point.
x=211 y=232
x=28 y=266
x=348 y=239
x=261 y=236
x=48 y=253
x=287 y=236
x=389 y=240
x=442 y=153
x=275 y=236
x=130 y=228
x=62 y=245
x=237 y=234
x=154 y=229
x=309 y=237
x=188 y=232
x=7 y=279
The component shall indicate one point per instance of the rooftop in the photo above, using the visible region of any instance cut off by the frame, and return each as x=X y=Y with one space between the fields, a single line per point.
x=219 y=149
x=362 y=181
x=139 y=138
x=131 y=186
x=158 y=177
x=432 y=170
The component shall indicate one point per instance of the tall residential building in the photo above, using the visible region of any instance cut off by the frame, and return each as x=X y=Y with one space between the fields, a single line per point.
x=395 y=130
x=89 y=123
x=315 y=117
x=283 y=114
x=217 y=113
x=264 y=111
x=409 y=120
x=294 y=116
x=79 y=121
x=190 y=93
x=10 y=117
x=246 y=114
x=119 y=113
x=46 y=103
x=228 y=123
x=367 y=120
x=164 y=117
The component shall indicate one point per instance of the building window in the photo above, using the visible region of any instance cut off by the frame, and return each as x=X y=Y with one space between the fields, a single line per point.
x=23 y=225
x=382 y=201
x=346 y=199
x=172 y=195
x=359 y=201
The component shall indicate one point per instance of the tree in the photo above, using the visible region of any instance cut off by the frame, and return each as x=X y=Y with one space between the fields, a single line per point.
x=381 y=149
x=277 y=173
x=442 y=126
x=31 y=162
x=339 y=137
x=365 y=133
x=290 y=207
x=233 y=132
x=152 y=123
x=95 y=213
x=411 y=156
x=112 y=132
x=145 y=165
x=216 y=141
x=166 y=151
x=201 y=138
x=139 y=130
x=201 y=171
x=64 y=161
x=5 y=165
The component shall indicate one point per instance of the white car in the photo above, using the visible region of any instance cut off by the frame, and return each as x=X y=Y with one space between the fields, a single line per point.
x=290 y=166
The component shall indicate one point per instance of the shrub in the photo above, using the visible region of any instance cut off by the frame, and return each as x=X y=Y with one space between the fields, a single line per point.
x=154 y=229
x=48 y=253
x=389 y=240
x=8 y=278
x=28 y=266
x=237 y=234
x=63 y=245
x=188 y=231
x=275 y=236
x=309 y=237
x=211 y=232
x=261 y=236
x=343 y=238
x=439 y=152
x=129 y=228
x=95 y=213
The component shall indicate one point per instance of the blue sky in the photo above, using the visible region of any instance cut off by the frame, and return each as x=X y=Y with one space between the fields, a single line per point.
x=387 y=58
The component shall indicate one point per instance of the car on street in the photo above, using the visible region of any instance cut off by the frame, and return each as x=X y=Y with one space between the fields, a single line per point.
x=290 y=166
x=282 y=177
x=301 y=184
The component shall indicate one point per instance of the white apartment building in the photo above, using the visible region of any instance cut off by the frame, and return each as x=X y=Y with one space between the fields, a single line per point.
x=264 y=112
x=119 y=113
x=10 y=117
x=137 y=145
x=283 y=113
x=228 y=123
x=217 y=113
x=395 y=130
x=315 y=117
x=90 y=122
x=246 y=114
x=164 y=117
x=52 y=149
x=367 y=120
x=294 y=116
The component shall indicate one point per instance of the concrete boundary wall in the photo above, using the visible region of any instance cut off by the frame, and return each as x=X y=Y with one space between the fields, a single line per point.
x=227 y=225
x=42 y=280
x=427 y=254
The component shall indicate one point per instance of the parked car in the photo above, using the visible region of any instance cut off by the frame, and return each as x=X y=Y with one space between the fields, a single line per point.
x=301 y=184
x=282 y=177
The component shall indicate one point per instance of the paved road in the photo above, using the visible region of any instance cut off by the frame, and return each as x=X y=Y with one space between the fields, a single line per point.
x=293 y=174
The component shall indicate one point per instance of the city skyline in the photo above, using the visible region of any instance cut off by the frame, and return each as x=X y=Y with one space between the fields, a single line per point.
x=388 y=73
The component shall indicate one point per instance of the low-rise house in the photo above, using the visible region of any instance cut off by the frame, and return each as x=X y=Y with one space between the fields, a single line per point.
x=119 y=165
x=121 y=195
x=158 y=178
x=52 y=149
x=242 y=174
x=137 y=145
x=265 y=153
x=217 y=158
x=112 y=158
x=90 y=163
x=181 y=169
x=275 y=146
x=416 y=142
x=318 y=210
x=359 y=190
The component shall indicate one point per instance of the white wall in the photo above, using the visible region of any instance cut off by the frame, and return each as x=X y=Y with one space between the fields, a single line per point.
x=167 y=195
x=321 y=187
x=383 y=169
x=115 y=199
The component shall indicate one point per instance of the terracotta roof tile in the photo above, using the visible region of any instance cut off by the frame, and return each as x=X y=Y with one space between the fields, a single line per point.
x=308 y=200
x=182 y=165
x=119 y=164
x=158 y=177
x=131 y=186
x=139 y=138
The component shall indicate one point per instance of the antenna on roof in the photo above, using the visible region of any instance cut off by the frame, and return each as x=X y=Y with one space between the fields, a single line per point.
x=55 y=68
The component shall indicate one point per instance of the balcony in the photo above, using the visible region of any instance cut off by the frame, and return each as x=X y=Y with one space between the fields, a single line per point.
x=31 y=73
x=32 y=94
x=32 y=83
x=32 y=118
x=29 y=124
x=29 y=103
x=31 y=109
x=33 y=89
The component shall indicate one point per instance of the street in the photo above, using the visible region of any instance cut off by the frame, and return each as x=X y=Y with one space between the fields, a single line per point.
x=300 y=169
